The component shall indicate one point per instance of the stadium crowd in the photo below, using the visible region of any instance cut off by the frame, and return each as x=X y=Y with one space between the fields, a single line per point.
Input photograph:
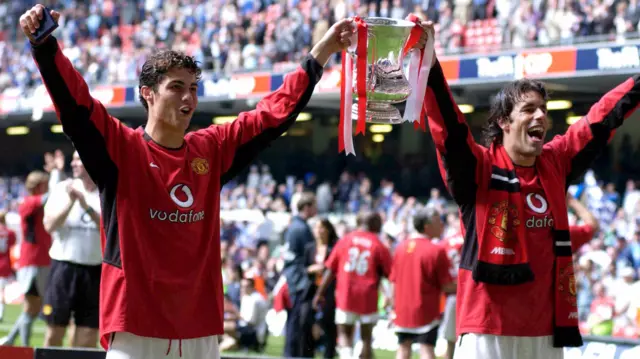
x=256 y=210
x=108 y=40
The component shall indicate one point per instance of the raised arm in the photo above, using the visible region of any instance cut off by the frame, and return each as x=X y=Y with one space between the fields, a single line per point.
x=253 y=131
x=84 y=119
x=584 y=140
x=459 y=156
x=244 y=138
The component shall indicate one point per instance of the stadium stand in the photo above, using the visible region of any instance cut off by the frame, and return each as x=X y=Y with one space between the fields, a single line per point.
x=108 y=40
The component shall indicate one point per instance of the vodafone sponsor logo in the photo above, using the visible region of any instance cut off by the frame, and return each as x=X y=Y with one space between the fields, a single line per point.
x=188 y=202
x=182 y=196
x=539 y=205
x=501 y=251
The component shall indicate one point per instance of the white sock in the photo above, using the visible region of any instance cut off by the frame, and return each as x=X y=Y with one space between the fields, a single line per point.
x=1 y=310
x=345 y=353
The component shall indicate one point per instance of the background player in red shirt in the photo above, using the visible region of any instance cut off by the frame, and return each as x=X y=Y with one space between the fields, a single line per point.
x=34 y=261
x=420 y=274
x=160 y=190
x=357 y=263
x=7 y=241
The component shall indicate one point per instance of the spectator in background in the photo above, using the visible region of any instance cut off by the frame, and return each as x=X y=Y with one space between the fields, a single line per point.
x=324 y=197
x=233 y=288
x=252 y=326
x=631 y=253
x=295 y=197
x=253 y=180
x=297 y=236
x=600 y=320
x=631 y=199
x=72 y=217
x=316 y=253
x=436 y=202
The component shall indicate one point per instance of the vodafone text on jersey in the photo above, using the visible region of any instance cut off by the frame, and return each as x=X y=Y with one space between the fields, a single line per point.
x=182 y=196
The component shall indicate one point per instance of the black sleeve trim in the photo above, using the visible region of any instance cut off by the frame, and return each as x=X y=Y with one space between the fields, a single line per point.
x=469 y=252
x=246 y=153
x=88 y=141
x=458 y=160
x=602 y=131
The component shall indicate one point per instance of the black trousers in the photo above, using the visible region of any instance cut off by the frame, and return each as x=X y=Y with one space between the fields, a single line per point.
x=299 y=342
x=327 y=322
x=328 y=325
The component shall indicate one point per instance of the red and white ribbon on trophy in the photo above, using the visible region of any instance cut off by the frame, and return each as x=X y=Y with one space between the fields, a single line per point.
x=419 y=67
x=418 y=75
x=345 y=129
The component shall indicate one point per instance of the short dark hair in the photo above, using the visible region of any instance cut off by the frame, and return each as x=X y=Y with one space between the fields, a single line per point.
x=503 y=104
x=306 y=199
x=371 y=221
x=423 y=217
x=157 y=66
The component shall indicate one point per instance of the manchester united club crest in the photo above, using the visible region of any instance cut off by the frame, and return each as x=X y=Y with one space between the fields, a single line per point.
x=200 y=166
x=567 y=284
x=503 y=218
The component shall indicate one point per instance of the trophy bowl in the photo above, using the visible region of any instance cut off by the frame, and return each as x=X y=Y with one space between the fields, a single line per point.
x=385 y=79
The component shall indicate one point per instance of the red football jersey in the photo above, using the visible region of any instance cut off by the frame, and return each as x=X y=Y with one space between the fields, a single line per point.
x=36 y=242
x=420 y=270
x=7 y=240
x=453 y=246
x=161 y=273
x=359 y=260
x=525 y=309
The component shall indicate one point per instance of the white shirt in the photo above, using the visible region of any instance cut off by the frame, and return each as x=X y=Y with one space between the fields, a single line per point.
x=253 y=310
x=77 y=240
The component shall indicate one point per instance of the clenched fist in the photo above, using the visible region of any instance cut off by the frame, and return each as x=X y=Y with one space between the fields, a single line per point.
x=429 y=31
x=334 y=40
x=30 y=20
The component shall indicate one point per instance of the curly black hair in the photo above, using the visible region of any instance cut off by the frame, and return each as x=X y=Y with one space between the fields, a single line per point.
x=157 y=66
x=503 y=104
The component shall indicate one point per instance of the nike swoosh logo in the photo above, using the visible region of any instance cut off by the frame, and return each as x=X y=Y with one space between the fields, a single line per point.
x=153 y=165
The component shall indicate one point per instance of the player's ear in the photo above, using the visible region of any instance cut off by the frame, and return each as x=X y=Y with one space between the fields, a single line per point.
x=147 y=93
x=504 y=124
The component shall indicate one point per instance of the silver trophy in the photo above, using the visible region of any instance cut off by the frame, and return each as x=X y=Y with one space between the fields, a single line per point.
x=386 y=81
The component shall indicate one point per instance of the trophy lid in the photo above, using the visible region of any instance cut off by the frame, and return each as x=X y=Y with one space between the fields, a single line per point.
x=385 y=21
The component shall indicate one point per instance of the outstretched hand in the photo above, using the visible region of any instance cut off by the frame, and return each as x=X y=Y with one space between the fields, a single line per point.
x=30 y=20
